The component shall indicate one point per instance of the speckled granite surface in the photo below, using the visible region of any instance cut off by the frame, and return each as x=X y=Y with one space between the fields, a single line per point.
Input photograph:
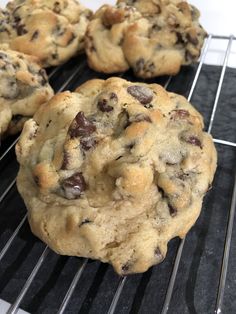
x=196 y=284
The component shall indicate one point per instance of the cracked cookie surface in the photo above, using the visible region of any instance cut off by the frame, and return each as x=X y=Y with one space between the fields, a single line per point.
x=23 y=88
x=153 y=37
x=51 y=30
x=114 y=171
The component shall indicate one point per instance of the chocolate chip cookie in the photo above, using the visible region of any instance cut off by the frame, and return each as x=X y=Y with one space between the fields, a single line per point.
x=51 y=30
x=153 y=37
x=23 y=88
x=114 y=171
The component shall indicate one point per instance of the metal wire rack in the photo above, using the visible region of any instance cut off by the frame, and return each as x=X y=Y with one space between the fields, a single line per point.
x=69 y=75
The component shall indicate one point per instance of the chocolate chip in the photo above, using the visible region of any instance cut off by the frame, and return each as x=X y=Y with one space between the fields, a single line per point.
x=103 y=106
x=74 y=186
x=34 y=36
x=172 y=210
x=143 y=94
x=87 y=142
x=81 y=126
x=106 y=104
x=194 y=141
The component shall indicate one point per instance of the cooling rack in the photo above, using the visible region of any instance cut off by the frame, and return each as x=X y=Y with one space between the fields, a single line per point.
x=198 y=274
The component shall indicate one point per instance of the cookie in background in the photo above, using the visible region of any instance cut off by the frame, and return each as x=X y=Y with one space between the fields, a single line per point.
x=51 y=30
x=152 y=37
x=23 y=88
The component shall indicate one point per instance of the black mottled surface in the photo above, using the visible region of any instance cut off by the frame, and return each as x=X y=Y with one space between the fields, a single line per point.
x=196 y=285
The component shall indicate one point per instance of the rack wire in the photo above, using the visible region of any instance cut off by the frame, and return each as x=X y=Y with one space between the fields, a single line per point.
x=124 y=280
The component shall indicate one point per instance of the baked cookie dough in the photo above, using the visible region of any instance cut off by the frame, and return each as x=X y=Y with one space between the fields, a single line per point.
x=114 y=171
x=51 y=30
x=23 y=88
x=153 y=37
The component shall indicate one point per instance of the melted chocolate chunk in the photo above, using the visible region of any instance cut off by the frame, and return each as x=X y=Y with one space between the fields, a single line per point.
x=34 y=36
x=106 y=104
x=81 y=126
x=74 y=186
x=103 y=106
x=87 y=142
x=194 y=141
x=143 y=94
x=172 y=210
